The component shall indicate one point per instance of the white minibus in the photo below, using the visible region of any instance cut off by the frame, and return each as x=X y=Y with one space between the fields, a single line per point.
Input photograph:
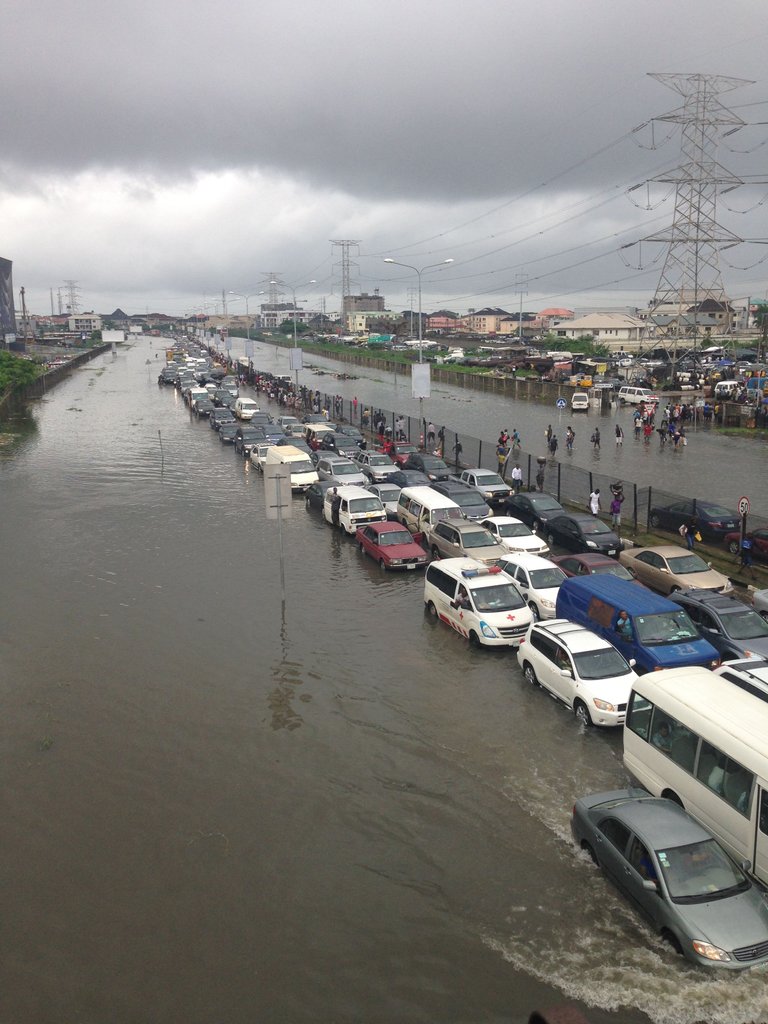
x=702 y=740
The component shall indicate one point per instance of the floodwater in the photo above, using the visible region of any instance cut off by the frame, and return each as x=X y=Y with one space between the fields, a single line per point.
x=214 y=812
x=712 y=465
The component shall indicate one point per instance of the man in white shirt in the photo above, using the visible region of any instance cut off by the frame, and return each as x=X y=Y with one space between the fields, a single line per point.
x=594 y=501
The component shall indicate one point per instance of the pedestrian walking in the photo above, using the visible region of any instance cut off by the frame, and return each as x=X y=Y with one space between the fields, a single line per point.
x=516 y=478
x=594 y=502
x=548 y=433
x=619 y=435
x=690 y=532
x=553 y=445
x=745 y=555
x=430 y=434
x=570 y=437
x=516 y=440
x=501 y=457
x=615 y=508
x=595 y=438
x=335 y=507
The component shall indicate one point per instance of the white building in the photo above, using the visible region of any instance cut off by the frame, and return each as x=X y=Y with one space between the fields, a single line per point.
x=84 y=323
x=612 y=329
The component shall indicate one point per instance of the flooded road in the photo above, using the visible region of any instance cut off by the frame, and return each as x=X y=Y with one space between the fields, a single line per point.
x=216 y=813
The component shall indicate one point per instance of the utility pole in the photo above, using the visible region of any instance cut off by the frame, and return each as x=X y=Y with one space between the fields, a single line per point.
x=521 y=286
x=411 y=300
x=73 y=296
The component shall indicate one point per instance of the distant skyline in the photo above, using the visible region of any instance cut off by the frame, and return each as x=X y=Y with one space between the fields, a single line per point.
x=158 y=160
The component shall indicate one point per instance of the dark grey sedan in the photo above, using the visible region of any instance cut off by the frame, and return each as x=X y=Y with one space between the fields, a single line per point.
x=676 y=874
x=535 y=509
x=579 y=531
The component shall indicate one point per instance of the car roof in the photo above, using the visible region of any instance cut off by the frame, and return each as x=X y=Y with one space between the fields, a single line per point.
x=575 y=637
x=662 y=823
x=455 y=566
x=717 y=602
x=506 y=520
x=386 y=527
x=587 y=557
x=623 y=593
x=665 y=550
x=465 y=527
x=578 y=517
x=528 y=561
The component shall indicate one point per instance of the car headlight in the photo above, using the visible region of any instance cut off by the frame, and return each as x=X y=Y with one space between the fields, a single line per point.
x=546 y=603
x=395 y=561
x=487 y=632
x=591 y=544
x=603 y=705
x=706 y=949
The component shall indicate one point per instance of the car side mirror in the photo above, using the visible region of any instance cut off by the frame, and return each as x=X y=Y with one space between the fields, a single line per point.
x=650 y=886
x=709 y=564
x=632 y=662
x=566 y=673
x=745 y=865
x=665 y=569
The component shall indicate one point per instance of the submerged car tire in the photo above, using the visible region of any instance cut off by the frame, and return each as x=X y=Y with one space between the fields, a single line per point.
x=733 y=547
x=382 y=565
x=589 y=851
x=435 y=553
x=673 y=940
x=474 y=639
x=551 y=540
x=581 y=711
x=529 y=674
x=534 y=611
x=654 y=521
x=431 y=610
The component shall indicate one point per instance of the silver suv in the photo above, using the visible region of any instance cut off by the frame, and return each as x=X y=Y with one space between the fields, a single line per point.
x=452 y=539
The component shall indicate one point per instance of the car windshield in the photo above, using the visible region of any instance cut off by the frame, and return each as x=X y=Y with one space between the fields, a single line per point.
x=476 y=539
x=601 y=664
x=612 y=569
x=685 y=564
x=389 y=493
x=343 y=468
x=406 y=449
x=454 y=512
x=716 y=512
x=468 y=501
x=432 y=462
x=664 y=628
x=514 y=530
x=700 y=872
x=365 y=505
x=592 y=526
x=544 y=503
x=379 y=460
x=745 y=625
x=490 y=480
x=395 y=537
x=544 y=579
x=500 y=598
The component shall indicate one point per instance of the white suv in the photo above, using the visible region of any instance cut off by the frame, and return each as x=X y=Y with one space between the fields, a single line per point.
x=537 y=579
x=578 y=668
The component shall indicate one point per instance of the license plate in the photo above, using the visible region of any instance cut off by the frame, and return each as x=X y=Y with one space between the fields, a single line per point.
x=612 y=552
x=410 y=567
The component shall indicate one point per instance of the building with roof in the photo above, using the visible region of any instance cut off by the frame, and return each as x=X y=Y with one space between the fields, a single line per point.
x=612 y=329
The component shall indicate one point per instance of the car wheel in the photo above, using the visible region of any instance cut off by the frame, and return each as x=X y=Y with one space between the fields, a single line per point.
x=733 y=547
x=431 y=610
x=675 y=590
x=474 y=639
x=382 y=564
x=550 y=540
x=655 y=521
x=534 y=611
x=589 y=851
x=581 y=711
x=362 y=549
x=673 y=940
x=435 y=552
x=670 y=794
x=530 y=675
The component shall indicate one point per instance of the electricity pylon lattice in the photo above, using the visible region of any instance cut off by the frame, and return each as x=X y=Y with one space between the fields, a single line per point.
x=691 y=271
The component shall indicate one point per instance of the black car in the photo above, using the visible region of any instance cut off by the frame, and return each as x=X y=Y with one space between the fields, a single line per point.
x=296 y=442
x=246 y=438
x=580 y=531
x=409 y=478
x=227 y=432
x=314 y=496
x=534 y=509
x=735 y=629
x=219 y=417
x=340 y=444
x=349 y=431
x=714 y=521
x=203 y=407
x=431 y=465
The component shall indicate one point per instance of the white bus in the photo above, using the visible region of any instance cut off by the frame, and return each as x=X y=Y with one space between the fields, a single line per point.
x=702 y=740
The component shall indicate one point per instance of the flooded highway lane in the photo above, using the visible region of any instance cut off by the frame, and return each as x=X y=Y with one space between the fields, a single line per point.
x=214 y=813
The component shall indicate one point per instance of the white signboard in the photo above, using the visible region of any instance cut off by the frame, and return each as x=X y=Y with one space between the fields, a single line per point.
x=248 y=348
x=297 y=358
x=277 y=491
x=420 y=380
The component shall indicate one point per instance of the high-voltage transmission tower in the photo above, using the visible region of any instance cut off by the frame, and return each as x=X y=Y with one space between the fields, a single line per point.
x=273 y=282
x=346 y=264
x=73 y=297
x=691 y=271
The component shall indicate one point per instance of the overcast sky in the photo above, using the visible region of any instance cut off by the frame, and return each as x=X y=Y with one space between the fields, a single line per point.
x=160 y=154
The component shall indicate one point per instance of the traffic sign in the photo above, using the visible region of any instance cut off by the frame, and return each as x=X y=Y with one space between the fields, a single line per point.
x=561 y=403
x=743 y=506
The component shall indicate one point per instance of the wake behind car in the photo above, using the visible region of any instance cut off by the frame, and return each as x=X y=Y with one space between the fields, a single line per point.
x=674 y=871
x=579 y=668
x=391 y=545
x=579 y=531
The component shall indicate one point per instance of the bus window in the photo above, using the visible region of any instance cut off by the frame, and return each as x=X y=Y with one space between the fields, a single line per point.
x=684 y=743
x=764 y=811
x=639 y=715
x=737 y=786
x=711 y=767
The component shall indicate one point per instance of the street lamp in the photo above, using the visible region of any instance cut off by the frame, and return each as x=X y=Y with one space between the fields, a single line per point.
x=418 y=273
x=247 y=314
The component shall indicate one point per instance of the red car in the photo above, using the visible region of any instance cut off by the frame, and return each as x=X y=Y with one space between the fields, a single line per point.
x=398 y=451
x=759 y=540
x=391 y=545
x=588 y=563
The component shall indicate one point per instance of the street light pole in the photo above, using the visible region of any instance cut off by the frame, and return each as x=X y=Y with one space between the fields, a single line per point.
x=419 y=272
x=247 y=313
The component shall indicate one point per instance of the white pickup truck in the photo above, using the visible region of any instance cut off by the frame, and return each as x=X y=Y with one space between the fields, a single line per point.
x=489 y=485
